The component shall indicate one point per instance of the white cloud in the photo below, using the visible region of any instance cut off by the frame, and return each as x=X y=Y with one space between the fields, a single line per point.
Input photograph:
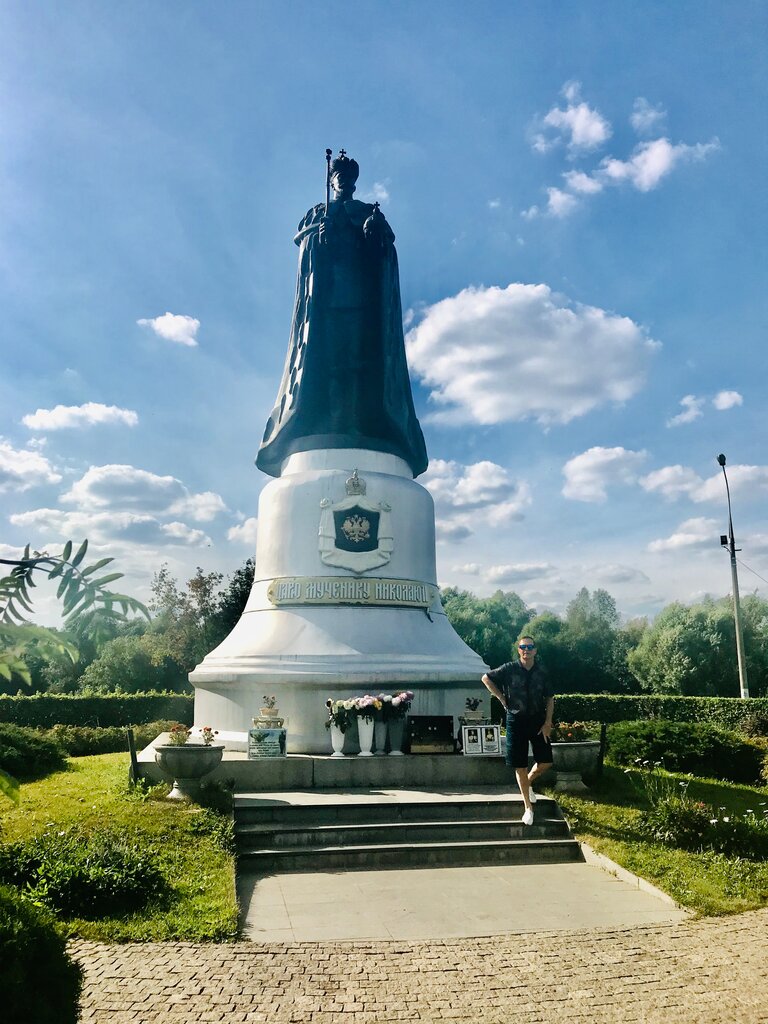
x=492 y=355
x=62 y=417
x=693 y=533
x=757 y=543
x=245 y=533
x=469 y=569
x=580 y=127
x=578 y=181
x=559 y=203
x=21 y=469
x=379 y=193
x=681 y=481
x=646 y=119
x=651 y=161
x=130 y=489
x=183 y=534
x=201 y=507
x=481 y=495
x=746 y=481
x=449 y=532
x=692 y=410
x=588 y=475
x=672 y=481
x=175 y=327
x=727 y=400
x=108 y=527
x=518 y=573
x=619 y=574
x=494 y=204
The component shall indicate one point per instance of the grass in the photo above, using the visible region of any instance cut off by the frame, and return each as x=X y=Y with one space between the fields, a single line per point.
x=188 y=843
x=609 y=817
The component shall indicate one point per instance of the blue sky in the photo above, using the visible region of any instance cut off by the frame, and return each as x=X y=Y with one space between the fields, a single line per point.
x=578 y=195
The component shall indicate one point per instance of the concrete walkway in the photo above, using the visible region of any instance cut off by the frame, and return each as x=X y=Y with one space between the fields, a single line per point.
x=710 y=971
x=446 y=902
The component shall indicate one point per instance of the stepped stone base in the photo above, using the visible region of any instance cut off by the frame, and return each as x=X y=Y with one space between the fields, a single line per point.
x=306 y=771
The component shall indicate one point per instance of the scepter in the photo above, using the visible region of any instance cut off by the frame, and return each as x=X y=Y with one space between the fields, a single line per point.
x=327 y=180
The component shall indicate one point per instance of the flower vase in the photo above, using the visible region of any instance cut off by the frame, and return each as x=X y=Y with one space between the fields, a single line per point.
x=365 y=735
x=380 y=736
x=396 y=734
x=571 y=760
x=337 y=741
x=186 y=765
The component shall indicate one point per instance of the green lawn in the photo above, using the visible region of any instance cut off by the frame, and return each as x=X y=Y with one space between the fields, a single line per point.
x=191 y=847
x=608 y=818
x=189 y=844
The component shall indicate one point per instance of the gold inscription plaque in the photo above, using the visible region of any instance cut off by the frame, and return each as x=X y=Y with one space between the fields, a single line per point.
x=334 y=590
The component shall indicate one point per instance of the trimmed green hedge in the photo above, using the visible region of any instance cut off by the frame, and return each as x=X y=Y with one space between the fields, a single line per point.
x=44 y=710
x=727 y=712
x=698 y=747
x=27 y=754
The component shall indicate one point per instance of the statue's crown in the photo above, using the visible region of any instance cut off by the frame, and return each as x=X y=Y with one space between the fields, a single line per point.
x=349 y=168
x=355 y=484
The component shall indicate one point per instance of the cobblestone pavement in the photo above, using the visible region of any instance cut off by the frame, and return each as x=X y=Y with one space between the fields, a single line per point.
x=704 y=971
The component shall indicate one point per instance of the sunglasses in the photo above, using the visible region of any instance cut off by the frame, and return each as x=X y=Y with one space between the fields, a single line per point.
x=526 y=647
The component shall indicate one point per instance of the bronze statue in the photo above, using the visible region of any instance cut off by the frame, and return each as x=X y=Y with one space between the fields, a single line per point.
x=345 y=383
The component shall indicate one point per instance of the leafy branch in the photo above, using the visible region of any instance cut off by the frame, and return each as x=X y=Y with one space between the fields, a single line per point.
x=86 y=604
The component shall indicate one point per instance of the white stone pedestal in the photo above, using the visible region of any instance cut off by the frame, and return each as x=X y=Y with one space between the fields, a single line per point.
x=304 y=653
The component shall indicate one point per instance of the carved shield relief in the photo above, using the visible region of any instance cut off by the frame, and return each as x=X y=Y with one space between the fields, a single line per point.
x=355 y=533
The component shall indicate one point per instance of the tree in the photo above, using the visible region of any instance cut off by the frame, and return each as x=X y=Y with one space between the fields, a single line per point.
x=691 y=649
x=88 y=607
x=131 y=664
x=191 y=622
x=188 y=622
x=489 y=625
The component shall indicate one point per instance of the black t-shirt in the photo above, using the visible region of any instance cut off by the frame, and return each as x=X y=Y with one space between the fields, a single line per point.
x=526 y=690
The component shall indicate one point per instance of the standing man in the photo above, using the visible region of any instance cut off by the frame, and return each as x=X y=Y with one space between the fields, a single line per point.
x=527 y=696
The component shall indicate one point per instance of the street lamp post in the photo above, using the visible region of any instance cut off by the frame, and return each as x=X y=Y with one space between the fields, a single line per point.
x=730 y=543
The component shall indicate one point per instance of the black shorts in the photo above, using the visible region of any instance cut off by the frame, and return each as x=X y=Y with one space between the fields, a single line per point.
x=520 y=732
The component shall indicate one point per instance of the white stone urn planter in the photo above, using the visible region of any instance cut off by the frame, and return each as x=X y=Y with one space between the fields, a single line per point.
x=187 y=765
x=337 y=741
x=396 y=727
x=365 y=736
x=571 y=761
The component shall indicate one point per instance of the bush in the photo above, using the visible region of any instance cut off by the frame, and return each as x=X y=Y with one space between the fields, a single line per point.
x=82 y=740
x=727 y=712
x=690 y=825
x=80 y=873
x=678 y=821
x=755 y=724
x=26 y=754
x=38 y=981
x=44 y=710
x=702 y=749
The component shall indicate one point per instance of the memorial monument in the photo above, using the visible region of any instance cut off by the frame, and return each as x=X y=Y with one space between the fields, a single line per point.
x=345 y=598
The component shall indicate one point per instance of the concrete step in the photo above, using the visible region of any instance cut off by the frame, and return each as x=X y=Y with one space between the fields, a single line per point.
x=346 y=858
x=252 y=837
x=354 y=809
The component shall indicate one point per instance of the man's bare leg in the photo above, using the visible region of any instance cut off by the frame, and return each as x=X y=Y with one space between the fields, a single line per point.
x=525 y=787
x=535 y=772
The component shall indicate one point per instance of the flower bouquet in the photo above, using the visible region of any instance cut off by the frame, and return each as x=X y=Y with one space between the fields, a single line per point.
x=341 y=713
x=208 y=735
x=400 y=705
x=178 y=735
x=368 y=707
